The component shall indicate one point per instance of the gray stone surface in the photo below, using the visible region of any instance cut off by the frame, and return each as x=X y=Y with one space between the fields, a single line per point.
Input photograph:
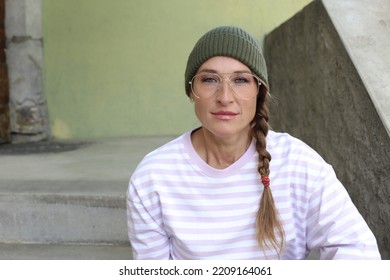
x=28 y=109
x=364 y=28
x=57 y=204
x=321 y=98
x=28 y=113
x=64 y=217
x=24 y=18
x=64 y=252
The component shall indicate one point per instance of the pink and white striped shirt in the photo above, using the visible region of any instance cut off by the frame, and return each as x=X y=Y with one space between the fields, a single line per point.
x=179 y=207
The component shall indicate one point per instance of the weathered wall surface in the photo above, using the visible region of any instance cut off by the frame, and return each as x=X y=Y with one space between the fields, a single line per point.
x=321 y=99
x=364 y=27
x=27 y=105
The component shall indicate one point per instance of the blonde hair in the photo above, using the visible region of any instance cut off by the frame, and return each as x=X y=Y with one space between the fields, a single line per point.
x=269 y=228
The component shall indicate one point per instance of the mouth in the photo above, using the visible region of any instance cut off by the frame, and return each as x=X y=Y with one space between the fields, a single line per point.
x=224 y=115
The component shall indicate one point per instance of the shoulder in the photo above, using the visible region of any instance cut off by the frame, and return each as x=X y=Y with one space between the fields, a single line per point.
x=155 y=165
x=164 y=156
x=172 y=147
x=283 y=144
x=300 y=170
x=295 y=160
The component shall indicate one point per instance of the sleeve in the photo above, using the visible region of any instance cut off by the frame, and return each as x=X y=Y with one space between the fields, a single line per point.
x=145 y=227
x=334 y=225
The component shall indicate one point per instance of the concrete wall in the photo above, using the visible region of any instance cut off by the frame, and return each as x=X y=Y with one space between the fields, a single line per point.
x=116 y=68
x=320 y=97
x=364 y=28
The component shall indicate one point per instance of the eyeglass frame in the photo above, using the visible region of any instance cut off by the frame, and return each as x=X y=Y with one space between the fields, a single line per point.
x=259 y=82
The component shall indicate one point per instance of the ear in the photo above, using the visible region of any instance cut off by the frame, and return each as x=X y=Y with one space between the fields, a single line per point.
x=191 y=96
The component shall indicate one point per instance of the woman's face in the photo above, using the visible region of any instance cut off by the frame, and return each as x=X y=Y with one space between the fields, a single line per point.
x=224 y=114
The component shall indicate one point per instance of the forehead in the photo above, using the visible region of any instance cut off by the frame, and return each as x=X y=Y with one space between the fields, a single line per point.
x=223 y=64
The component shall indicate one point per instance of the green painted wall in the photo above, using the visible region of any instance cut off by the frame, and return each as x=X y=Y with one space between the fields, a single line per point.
x=116 y=68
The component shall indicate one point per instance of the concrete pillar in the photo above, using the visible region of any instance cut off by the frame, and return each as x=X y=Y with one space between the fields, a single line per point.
x=4 y=94
x=28 y=108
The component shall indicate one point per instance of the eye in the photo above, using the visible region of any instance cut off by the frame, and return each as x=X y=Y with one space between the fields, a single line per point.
x=208 y=79
x=241 y=80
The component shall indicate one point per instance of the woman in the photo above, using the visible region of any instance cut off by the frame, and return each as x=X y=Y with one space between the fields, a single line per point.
x=214 y=193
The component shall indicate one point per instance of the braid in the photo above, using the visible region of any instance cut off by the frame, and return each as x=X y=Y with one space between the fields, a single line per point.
x=268 y=223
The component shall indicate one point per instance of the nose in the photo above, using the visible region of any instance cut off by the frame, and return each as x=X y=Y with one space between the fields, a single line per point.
x=225 y=92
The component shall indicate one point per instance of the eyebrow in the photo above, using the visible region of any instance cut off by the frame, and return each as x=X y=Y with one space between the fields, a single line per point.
x=216 y=72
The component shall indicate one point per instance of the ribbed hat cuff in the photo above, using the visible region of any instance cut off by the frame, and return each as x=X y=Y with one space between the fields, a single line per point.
x=233 y=43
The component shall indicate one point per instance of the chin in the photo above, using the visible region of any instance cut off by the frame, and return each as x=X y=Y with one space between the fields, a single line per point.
x=221 y=131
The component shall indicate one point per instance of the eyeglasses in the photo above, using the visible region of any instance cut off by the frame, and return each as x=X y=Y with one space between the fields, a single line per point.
x=244 y=85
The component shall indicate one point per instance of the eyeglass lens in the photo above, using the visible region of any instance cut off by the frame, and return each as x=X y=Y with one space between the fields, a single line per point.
x=244 y=85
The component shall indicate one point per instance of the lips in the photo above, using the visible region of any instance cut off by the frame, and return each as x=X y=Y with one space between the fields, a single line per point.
x=224 y=115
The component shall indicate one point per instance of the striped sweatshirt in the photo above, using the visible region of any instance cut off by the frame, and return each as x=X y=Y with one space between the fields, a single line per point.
x=179 y=207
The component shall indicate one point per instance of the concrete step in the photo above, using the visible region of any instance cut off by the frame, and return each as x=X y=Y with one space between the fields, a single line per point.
x=75 y=252
x=64 y=252
x=75 y=197
x=39 y=216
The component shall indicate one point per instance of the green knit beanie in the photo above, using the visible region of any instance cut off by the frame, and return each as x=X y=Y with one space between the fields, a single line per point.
x=230 y=41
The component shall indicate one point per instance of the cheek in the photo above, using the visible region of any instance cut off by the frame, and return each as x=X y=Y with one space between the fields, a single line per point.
x=249 y=109
x=200 y=110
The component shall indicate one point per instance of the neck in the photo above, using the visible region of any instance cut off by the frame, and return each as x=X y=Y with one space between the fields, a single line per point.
x=219 y=152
